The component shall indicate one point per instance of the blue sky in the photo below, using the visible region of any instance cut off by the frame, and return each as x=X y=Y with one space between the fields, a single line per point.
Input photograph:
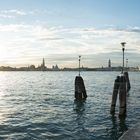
x=60 y=30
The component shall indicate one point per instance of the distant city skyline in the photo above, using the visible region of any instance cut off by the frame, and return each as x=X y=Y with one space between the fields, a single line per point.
x=43 y=67
x=60 y=30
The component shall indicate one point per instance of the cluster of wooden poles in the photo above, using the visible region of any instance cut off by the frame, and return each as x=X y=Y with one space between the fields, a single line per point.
x=121 y=87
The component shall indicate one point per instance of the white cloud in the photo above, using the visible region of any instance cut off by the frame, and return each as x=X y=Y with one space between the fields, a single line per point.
x=26 y=44
x=14 y=13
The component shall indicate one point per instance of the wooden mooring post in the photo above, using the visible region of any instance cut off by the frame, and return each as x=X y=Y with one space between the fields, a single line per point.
x=114 y=95
x=80 y=90
x=127 y=81
x=122 y=96
x=120 y=87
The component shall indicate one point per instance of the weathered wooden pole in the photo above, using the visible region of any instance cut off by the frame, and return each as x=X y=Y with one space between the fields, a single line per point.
x=115 y=93
x=127 y=81
x=122 y=96
x=80 y=91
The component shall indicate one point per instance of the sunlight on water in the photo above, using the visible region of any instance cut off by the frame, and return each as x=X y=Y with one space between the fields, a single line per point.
x=41 y=105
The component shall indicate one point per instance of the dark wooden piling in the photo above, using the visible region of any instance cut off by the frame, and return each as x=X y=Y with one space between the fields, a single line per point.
x=127 y=81
x=114 y=95
x=122 y=96
x=80 y=91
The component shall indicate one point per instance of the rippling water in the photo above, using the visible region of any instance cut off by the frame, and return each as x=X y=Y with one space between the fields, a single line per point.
x=41 y=106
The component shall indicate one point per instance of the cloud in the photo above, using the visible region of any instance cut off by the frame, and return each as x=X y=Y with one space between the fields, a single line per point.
x=51 y=39
x=28 y=44
x=14 y=13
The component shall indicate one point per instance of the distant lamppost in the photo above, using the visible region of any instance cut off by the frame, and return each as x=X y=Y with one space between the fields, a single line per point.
x=123 y=48
x=126 y=63
x=79 y=64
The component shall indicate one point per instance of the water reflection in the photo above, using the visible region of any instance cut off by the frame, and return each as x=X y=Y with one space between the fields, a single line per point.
x=118 y=127
x=114 y=128
x=79 y=108
x=122 y=125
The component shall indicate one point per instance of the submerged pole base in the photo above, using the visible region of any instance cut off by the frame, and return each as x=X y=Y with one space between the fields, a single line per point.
x=120 y=86
x=80 y=91
x=122 y=112
x=122 y=96
x=114 y=95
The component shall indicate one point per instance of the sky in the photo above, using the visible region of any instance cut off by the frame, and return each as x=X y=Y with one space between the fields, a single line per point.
x=60 y=30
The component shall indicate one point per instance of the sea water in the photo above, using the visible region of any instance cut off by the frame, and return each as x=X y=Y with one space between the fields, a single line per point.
x=41 y=106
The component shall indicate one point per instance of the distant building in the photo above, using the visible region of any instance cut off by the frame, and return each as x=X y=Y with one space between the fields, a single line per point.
x=42 y=67
x=109 y=63
x=43 y=63
x=32 y=67
x=56 y=68
x=133 y=68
